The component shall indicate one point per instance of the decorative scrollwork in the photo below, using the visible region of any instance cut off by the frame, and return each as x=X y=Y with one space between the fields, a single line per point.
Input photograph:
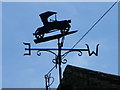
x=80 y=54
x=54 y=61
x=38 y=53
x=64 y=61
x=52 y=52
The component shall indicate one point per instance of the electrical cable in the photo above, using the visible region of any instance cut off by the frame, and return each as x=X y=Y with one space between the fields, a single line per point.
x=92 y=26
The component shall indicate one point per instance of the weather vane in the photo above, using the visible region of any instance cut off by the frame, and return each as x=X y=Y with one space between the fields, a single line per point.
x=49 y=27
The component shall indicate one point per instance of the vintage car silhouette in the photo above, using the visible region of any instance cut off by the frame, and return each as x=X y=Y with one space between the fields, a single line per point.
x=53 y=26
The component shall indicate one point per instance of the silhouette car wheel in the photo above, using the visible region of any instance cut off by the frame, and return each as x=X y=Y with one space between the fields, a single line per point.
x=37 y=35
x=65 y=30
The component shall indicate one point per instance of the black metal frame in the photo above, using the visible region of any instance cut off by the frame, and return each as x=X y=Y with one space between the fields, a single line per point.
x=58 y=58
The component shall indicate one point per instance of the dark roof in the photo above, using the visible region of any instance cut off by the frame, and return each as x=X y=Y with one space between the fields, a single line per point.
x=76 y=77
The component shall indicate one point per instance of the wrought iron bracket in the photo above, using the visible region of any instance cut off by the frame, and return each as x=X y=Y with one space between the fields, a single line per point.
x=59 y=59
x=90 y=53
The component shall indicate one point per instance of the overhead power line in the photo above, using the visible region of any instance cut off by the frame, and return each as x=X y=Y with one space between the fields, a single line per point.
x=93 y=26
x=87 y=32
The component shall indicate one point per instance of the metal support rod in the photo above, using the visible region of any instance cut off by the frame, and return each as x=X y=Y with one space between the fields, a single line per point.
x=55 y=17
x=44 y=49
x=46 y=82
x=48 y=78
x=59 y=61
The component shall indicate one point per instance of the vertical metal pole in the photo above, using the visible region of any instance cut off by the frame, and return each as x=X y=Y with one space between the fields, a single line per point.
x=59 y=61
x=46 y=82
x=55 y=17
